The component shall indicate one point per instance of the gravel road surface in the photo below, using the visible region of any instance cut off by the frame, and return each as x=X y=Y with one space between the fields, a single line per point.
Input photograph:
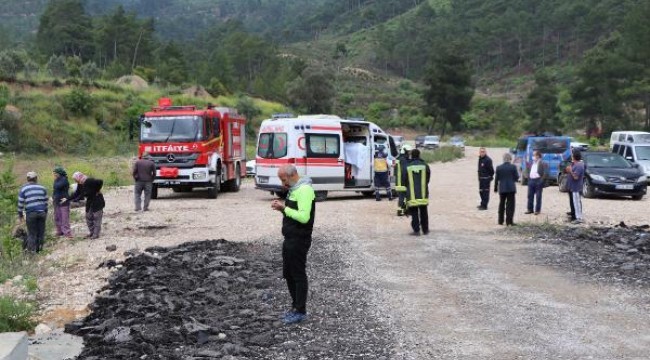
x=469 y=290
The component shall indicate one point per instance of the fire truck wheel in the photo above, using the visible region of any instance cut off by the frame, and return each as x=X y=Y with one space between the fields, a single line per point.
x=234 y=184
x=154 y=192
x=213 y=191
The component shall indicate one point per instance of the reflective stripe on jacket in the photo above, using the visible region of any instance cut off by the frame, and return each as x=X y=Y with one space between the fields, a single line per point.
x=417 y=177
x=400 y=186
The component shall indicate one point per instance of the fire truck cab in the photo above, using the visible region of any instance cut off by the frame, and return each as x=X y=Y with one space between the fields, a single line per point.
x=194 y=148
x=337 y=154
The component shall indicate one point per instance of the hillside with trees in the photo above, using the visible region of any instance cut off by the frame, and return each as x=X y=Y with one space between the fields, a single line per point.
x=491 y=67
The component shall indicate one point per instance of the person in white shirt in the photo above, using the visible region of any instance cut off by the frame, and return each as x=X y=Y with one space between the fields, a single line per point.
x=536 y=180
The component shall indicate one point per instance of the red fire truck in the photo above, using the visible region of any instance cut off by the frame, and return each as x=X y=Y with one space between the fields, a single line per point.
x=194 y=148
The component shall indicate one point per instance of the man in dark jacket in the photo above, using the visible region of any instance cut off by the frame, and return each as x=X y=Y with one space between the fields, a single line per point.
x=91 y=189
x=536 y=181
x=416 y=176
x=506 y=184
x=144 y=173
x=485 y=175
x=297 y=225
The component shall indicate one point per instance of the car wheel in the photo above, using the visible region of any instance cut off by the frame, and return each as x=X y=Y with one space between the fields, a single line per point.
x=637 y=197
x=561 y=182
x=524 y=181
x=587 y=190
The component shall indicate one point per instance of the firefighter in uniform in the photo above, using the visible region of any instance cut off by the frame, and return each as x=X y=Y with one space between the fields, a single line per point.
x=297 y=224
x=400 y=187
x=416 y=176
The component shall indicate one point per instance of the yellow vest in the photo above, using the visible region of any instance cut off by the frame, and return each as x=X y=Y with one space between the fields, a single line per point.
x=381 y=165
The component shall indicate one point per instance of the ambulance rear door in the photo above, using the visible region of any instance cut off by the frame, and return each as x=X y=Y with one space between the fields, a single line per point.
x=324 y=157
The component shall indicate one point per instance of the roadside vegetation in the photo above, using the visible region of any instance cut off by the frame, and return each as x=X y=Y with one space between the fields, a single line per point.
x=443 y=154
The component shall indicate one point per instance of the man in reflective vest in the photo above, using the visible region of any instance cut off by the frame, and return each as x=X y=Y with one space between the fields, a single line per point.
x=400 y=187
x=297 y=225
x=416 y=176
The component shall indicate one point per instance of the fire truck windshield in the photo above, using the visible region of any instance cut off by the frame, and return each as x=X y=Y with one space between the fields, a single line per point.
x=171 y=128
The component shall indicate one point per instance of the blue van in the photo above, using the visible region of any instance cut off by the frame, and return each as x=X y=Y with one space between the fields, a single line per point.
x=554 y=149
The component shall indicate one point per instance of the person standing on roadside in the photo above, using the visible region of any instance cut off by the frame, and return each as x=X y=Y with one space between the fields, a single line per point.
x=536 y=181
x=382 y=176
x=575 y=177
x=60 y=203
x=416 y=176
x=91 y=189
x=144 y=173
x=485 y=176
x=32 y=208
x=505 y=184
x=298 y=213
x=400 y=186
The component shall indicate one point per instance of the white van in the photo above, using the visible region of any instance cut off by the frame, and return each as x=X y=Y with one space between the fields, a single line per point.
x=638 y=153
x=628 y=137
x=336 y=154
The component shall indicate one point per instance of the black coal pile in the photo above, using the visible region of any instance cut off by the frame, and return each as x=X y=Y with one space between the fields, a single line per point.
x=618 y=253
x=223 y=300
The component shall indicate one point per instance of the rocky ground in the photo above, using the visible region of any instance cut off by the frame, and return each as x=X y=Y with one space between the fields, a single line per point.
x=610 y=254
x=224 y=300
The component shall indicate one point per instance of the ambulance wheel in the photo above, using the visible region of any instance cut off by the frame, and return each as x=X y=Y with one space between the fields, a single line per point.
x=154 y=192
x=368 y=193
x=176 y=189
x=321 y=195
x=213 y=191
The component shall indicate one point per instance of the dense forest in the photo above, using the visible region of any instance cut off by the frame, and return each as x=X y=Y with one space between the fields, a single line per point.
x=501 y=67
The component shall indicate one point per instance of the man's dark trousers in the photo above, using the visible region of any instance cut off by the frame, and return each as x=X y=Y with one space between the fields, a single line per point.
x=419 y=218
x=35 y=231
x=484 y=191
x=294 y=260
x=535 y=187
x=507 y=204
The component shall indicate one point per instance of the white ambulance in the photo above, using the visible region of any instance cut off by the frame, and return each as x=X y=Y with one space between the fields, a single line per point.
x=337 y=154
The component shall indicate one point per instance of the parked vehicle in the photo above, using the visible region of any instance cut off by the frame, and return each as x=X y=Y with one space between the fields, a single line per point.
x=457 y=141
x=431 y=142
x=554 y=149
x=336 y=154
x=578 y=145
x=638 y=153
x=628 y=137
x=194 y=148
x=419 y=140
x=250 y=168
x=607 y=173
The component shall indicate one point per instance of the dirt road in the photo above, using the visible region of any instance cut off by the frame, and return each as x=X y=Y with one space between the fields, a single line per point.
x=469 y=290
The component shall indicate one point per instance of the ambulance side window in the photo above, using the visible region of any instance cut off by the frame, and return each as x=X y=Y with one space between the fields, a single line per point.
x=323 y=145
x=272 y=145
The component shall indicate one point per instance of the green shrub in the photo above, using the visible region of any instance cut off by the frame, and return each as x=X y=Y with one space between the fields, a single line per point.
x=443 y=154
x=16 y=315
x=78 y=102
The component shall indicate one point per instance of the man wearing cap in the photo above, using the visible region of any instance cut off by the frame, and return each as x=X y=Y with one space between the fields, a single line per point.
x=400 y=164
x=90 y=189
x=144 y=172
x=32 y=207
x=60 y=203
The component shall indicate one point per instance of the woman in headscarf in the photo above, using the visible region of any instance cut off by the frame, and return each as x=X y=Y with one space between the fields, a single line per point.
x=61 y=202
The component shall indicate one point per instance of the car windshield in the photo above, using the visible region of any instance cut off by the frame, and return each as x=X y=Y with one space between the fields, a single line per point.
x=431 y=138
x=642 y=152
x=606 y=161
x=551 y=145
x=171 y=128
x=457 y=139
